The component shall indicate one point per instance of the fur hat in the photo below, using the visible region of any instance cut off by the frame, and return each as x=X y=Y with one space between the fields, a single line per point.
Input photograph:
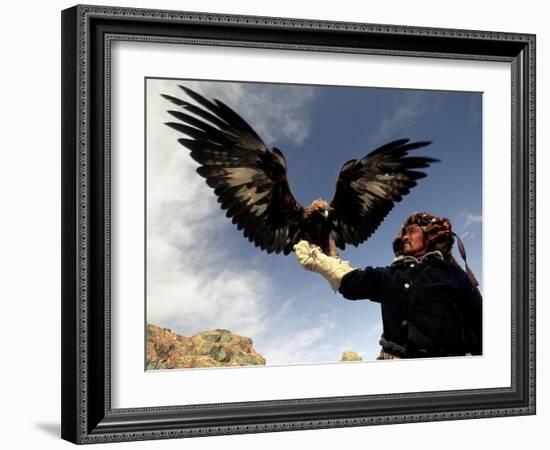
x=437 y=230
x=439 y=233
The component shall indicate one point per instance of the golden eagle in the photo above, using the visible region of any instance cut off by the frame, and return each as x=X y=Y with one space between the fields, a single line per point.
x=250 y=181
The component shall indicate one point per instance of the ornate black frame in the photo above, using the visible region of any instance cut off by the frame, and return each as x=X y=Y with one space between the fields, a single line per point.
x=87 y=32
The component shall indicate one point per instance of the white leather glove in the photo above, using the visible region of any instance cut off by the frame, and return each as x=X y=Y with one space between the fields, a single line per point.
x=313 y=259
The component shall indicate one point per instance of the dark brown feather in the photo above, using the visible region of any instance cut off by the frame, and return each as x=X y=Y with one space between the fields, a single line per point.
x=251 y=185
x=367 y=190
x=248 y=179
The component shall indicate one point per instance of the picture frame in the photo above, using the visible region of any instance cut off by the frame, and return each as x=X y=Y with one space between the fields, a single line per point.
x=88 y=34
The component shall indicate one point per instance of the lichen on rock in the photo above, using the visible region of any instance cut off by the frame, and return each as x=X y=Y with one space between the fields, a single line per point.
x=351 y=356
x=215 y=348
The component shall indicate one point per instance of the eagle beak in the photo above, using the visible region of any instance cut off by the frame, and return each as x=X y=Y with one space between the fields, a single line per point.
x=325 y=214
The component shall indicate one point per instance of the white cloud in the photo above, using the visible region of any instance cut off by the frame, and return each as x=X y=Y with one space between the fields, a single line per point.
x=471 y=219
x=371 y=351
x=193 y=284
x=376 y=331
x=288 y=120
x=412 y=105
x=466 y=235
x=277 y=112
x=296 y=340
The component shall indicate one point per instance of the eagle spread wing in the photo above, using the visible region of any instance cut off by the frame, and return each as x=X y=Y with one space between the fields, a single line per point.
x=367 y=189
x=251 y=184
x=249 y=180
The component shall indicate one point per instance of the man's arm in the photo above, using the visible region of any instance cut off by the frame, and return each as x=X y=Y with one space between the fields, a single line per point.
x=370 y=283
x=352 y=283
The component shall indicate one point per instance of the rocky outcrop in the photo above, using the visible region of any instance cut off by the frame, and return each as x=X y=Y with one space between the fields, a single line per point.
x=216 y=348
x=351 y=356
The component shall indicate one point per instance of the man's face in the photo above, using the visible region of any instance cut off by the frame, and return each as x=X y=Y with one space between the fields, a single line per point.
x=413 y=240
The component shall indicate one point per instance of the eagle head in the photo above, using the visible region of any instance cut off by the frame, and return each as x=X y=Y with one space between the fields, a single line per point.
x=318 y=208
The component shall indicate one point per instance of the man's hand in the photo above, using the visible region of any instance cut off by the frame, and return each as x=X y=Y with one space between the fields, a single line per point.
x=312 y=258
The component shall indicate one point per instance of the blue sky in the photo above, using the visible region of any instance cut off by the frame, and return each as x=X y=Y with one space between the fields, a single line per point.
x=201 y=272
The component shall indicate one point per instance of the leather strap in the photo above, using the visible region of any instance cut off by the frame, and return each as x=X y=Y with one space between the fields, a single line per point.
x=462 y=251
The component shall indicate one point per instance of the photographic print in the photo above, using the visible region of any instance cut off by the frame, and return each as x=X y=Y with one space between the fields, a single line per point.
x=238 y=238
x=306 y=224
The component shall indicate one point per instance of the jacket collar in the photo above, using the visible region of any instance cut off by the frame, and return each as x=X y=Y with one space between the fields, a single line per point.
x=408 y=258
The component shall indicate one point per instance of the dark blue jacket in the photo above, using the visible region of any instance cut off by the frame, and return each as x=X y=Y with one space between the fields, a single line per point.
x=429 y=307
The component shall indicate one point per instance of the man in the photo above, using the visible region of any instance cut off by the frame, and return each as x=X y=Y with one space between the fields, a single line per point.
x=430 y=306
